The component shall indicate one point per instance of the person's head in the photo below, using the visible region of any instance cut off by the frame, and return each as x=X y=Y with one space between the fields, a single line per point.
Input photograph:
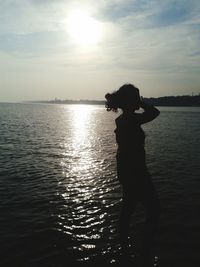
x=126 y=97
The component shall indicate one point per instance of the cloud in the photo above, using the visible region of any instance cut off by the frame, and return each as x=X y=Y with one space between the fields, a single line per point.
x=142 y=38
x=24 y=17
x=154 y=35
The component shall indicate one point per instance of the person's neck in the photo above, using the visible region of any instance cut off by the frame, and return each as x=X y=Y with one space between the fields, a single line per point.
x=128 y=112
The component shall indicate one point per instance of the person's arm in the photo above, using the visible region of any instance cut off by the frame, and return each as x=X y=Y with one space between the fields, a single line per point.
x=149 y=114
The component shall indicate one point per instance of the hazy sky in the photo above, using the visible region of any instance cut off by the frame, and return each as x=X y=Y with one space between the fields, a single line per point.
x=83 y=49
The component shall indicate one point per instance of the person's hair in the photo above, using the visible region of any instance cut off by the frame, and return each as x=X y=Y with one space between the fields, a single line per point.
x=125 y=96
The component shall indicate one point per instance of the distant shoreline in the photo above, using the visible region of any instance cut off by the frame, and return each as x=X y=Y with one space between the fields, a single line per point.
x=174 y=101
x=165 y=101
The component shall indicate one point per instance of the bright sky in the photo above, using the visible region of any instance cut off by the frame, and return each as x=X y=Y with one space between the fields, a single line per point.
x=83 y=49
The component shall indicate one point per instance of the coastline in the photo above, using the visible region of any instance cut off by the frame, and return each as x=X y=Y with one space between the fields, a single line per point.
x=173 y=101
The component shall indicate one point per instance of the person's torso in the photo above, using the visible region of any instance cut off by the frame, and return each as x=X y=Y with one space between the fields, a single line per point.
x=130 y=139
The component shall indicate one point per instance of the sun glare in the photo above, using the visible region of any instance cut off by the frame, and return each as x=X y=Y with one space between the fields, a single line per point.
x=83 y=29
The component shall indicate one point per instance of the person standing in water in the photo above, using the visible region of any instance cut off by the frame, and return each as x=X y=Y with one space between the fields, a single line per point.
x=132 y=171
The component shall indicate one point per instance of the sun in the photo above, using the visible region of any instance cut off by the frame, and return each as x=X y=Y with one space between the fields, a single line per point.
x=83 y=29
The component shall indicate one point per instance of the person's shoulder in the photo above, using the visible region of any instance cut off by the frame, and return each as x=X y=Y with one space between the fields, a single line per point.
x=133 y=117
x=119 y=121
x=136 y=115
x=119 y=118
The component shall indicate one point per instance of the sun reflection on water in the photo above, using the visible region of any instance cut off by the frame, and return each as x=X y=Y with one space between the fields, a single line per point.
x=77 y=158
x=81 y=141
x=80 y=126
x=86 y=197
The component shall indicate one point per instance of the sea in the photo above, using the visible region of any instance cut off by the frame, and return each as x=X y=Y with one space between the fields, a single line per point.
x=60 y=198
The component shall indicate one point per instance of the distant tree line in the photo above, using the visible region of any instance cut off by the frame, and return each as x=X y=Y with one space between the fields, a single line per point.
x=184 y=101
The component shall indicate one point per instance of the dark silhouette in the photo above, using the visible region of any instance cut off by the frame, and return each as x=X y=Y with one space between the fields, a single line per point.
x=131 y=166
x=176 y=101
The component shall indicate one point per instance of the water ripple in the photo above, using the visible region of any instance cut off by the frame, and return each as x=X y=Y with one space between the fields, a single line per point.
x=59 y=187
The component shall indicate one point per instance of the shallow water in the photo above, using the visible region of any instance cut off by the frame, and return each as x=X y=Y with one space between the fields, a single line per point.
x=60 y=197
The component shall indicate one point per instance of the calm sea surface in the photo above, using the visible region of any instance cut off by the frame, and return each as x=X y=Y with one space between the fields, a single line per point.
x=60 y=197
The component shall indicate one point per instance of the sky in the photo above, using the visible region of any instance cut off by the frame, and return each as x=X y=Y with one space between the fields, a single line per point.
x=70 y=49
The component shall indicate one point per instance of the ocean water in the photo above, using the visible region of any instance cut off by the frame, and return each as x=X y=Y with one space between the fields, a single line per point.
x=59 y=195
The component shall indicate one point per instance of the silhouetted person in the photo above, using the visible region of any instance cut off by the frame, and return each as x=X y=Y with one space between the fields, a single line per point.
x=131 y=164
